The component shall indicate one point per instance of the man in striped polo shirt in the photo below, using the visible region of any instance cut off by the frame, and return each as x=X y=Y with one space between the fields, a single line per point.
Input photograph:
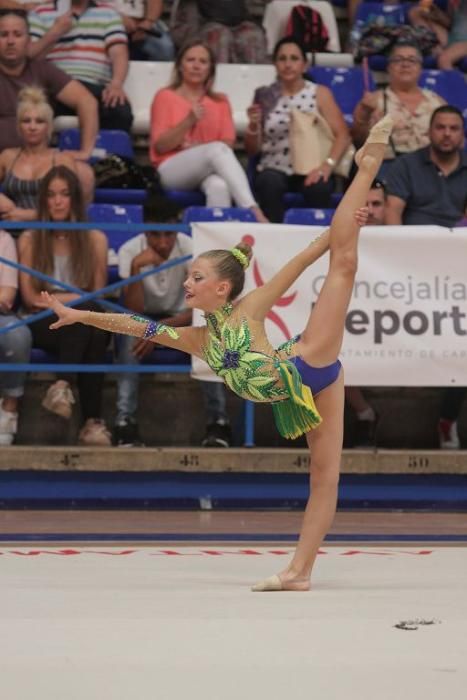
x=89 y=43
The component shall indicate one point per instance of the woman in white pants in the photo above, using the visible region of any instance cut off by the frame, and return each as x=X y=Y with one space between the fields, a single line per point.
x=192 y=134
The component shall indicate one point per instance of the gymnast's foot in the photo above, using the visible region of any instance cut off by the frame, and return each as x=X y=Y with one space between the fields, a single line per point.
x=285 y=581
x=377 y=140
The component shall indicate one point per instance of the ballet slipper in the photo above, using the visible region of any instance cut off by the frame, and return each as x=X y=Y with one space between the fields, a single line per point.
x=275 y=583
x=380 y=133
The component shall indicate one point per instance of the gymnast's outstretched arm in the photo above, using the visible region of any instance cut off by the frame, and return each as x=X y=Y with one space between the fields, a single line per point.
x=186 y=338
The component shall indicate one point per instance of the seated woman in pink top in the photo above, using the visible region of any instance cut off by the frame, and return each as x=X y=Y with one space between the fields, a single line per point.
x=192 y=134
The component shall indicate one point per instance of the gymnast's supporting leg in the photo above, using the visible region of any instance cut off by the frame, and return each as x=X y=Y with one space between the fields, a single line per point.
x=319 y=346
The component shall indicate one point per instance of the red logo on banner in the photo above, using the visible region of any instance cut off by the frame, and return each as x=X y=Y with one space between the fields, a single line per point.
x=283 y=301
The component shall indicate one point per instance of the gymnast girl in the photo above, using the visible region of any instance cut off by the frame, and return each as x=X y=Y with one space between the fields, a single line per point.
x=303 y=378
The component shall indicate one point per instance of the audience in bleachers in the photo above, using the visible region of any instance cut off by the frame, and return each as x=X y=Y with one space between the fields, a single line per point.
x=426 y=187
x=267 y=134
x=77 y=258
x=148 y=36
x=162 y=297
x=409 y=105
x=18 y=71
x=192 y=134
x=231 y=32
x=101 y=68
x=22 y=169
x=15 y=346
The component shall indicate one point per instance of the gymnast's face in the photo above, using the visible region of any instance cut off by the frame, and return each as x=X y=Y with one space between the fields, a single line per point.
x=204 y=289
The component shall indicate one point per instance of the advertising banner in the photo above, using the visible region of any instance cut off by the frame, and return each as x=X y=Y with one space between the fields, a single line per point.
x=407 y=320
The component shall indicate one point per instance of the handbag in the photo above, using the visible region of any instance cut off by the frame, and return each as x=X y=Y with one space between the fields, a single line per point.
x=118 y=172
x=311 y=140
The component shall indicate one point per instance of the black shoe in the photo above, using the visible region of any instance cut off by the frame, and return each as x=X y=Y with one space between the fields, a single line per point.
x=365 y=433
x=126 y=434
x=217 y=435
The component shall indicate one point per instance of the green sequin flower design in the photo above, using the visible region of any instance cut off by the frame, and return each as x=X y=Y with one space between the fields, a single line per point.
x=246 y=372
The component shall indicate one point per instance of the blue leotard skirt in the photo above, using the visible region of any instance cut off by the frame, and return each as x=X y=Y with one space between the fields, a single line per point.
x=317 y=378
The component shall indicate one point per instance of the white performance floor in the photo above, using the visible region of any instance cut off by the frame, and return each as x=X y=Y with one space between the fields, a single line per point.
x=181 y=623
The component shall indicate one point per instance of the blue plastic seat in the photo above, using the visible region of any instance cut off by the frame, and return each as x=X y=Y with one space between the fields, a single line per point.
x=347 y=86
x=186 y=198
x=309 y=217
x=192 y=214
x=449 y=84
x=116 y=214
x=109 y=140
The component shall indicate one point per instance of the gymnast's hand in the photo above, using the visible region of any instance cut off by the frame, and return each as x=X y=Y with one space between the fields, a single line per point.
x=66 y=315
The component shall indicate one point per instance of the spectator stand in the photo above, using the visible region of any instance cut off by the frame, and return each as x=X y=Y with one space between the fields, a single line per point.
x=167 y=360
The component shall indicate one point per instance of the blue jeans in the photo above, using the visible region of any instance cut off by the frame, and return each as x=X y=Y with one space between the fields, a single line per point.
x=128 y=386
x=15 y=346
x=154 y=48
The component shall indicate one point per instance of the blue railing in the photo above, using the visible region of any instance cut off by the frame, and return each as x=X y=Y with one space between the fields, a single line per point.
x=106 y=303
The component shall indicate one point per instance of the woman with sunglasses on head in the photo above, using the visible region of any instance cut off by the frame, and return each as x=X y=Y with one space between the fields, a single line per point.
x=79 y=259
x=303 y=378
x=192 y=134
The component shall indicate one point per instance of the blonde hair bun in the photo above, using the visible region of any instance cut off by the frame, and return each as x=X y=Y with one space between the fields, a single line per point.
x=35 y=97
x=245 y=249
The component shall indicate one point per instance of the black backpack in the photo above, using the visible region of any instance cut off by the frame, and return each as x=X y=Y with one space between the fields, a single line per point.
x=308 y=28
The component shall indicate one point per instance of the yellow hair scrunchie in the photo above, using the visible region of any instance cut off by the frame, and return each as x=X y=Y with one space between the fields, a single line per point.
x=241 y=257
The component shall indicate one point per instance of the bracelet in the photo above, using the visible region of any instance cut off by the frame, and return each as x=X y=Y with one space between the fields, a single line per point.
x=331 y=162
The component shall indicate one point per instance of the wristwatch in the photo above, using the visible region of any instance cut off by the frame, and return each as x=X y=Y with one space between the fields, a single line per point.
x=331 y=162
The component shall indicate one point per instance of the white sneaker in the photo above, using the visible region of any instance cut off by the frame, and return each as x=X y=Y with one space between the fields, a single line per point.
x=8 y=426
x=448 y=435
